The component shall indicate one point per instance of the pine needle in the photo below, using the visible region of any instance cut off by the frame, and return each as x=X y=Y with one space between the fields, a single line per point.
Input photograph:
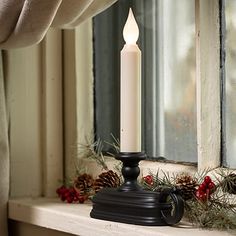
x=115 y=145
x=94 y=151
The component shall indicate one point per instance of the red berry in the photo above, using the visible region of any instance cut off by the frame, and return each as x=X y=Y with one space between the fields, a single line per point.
x=67 y=194
x=63 y=198
x=197 y=194
x=81 y=199
x=69 y=200
x=211 y=185
x=207 y=179
x=202 y=187
x=60 y=190
x=203 y=197
x=70 y=195
x=76 y=199
x=208 y=192
x=71 y=190
x=148 y=179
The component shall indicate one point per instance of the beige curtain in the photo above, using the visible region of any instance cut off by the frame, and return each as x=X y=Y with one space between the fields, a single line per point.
x=24 y=23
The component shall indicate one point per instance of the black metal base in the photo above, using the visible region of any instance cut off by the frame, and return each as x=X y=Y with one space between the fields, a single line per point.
x=135 y=207
x=131 y=204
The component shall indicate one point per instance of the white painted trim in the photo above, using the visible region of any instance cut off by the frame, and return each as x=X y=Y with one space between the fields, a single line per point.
x=23 y=78
x=78 y=92
x=75 y=219
x=52 y=135
x=70 y=108
x=85 y=82
x=208 y=83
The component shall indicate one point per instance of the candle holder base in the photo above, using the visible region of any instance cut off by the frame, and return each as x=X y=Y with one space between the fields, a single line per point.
x=131 y=204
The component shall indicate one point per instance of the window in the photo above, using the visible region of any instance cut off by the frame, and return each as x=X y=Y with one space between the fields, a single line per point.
x=72 y=97
x=167 y=41
x=188 y=98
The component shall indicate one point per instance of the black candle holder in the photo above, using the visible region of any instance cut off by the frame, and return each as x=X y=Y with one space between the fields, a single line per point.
x=131 y=204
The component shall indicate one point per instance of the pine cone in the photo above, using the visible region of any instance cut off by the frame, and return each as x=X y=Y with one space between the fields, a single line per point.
x=107 y=179
x=229 y=184
x=186 y=185
x=83 y=183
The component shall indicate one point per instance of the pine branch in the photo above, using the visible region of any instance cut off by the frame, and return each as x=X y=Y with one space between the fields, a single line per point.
x=115 y=145
x=93 y=151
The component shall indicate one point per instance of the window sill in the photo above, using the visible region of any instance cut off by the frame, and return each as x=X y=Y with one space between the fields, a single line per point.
x=74 y=219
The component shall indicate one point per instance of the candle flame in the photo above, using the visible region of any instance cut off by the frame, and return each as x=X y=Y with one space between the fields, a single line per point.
x=131 y=31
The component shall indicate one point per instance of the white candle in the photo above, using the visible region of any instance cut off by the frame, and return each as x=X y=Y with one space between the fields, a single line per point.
x=130 y=119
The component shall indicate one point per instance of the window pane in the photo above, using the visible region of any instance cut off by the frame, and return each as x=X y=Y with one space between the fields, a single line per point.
x=167 y=30
x=176 y=35
x=230 y=82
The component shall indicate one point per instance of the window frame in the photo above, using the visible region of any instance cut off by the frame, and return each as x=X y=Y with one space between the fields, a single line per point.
x=208 y=85
x=208 y=81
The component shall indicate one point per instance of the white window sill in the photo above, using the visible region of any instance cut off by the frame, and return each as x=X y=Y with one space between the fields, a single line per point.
x=75 y=219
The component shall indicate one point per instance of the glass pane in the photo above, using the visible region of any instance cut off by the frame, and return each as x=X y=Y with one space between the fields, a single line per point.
x=167 y=42
x=177 y=70
x=230 y=83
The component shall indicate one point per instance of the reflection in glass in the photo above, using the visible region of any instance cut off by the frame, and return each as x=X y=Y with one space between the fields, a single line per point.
x=230 y=83
x=177 y=69
x=167 y=42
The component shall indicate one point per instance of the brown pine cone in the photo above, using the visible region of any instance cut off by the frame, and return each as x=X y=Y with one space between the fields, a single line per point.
x=186 y=185
x=83 y=183
x=107 y=179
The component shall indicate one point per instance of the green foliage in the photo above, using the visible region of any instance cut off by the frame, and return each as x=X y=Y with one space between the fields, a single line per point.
x=218 y=212
x=115 y=145
x=210 y=214
x=158 y=182
x=228 y=183
x=93 y=151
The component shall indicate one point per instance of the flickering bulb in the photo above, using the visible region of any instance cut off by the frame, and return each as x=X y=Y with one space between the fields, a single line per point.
x=131 y=31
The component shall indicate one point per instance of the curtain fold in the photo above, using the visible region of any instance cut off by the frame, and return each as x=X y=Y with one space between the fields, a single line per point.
x=25 y=22
x=4 y=156
x=69 y=11
x=30 y=24
x=94 y=8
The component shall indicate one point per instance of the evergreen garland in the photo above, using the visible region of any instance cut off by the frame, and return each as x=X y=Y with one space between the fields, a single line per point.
x=214 y=210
